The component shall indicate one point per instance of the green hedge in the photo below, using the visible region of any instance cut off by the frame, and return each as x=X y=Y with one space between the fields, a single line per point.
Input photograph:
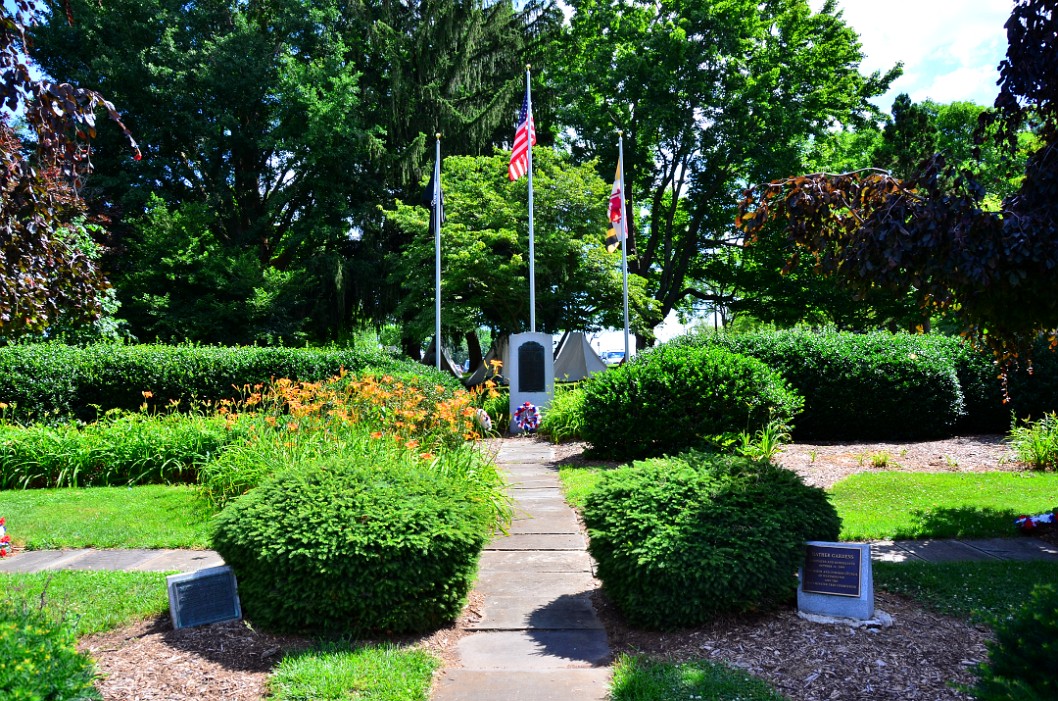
x=675 y=397
x=858 y=386
x=40 y=380
x=680 y=541
x=351 y=545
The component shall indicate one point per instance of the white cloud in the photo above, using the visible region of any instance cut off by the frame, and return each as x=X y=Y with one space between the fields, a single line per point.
x=950 y=48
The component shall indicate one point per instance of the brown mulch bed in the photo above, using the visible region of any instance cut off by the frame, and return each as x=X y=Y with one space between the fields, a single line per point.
x=917 y=658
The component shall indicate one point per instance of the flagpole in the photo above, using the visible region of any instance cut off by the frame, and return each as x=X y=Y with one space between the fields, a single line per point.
x=532 y=249
x=436 y=214
x=624 y=244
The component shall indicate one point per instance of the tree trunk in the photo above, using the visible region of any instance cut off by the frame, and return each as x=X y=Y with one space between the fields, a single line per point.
x=474 y=349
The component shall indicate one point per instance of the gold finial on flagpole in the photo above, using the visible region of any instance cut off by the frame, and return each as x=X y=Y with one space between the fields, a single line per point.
x=438 y=135
x=620 y=132
x=528 y=66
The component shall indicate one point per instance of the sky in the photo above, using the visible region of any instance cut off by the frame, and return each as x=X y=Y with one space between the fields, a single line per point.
x=950 y=48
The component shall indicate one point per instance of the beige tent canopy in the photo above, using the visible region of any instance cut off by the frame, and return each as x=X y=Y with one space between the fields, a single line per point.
x=500 y=351
x=429 y=358
x=575 y=359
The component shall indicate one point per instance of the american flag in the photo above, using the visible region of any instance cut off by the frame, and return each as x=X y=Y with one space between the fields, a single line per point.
x=524 y=137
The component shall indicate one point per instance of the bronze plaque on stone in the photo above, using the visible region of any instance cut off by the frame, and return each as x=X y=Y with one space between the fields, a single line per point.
x=531 y=376
x=831 y=570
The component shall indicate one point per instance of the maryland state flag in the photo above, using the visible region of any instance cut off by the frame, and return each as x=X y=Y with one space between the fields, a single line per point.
x=616 y=234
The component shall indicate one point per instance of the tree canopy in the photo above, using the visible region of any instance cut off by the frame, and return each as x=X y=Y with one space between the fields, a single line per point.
x=710 y=96
x=485 y=280
x=930 y=234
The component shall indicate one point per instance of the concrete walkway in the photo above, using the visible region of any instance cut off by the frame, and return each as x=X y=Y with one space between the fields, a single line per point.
x=132 y=560
x=538 y=638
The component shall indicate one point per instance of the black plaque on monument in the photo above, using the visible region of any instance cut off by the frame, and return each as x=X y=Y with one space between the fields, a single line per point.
x=831 y=570
x=531 y=376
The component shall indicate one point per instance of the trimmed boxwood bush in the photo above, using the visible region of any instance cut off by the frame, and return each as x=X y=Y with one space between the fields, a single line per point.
x=1023 y=660
x=674 y=397
x=52 y=378
x=349 y=546
x=680 y=541
x=39 y=660
x=857 y=386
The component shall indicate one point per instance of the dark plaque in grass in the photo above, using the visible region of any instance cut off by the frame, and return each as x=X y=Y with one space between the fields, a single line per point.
x=837 y=580
x=204 y=596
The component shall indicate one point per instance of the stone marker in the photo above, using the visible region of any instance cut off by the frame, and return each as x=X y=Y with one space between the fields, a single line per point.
x=531 y=372
x=206 y=596
x=836 y=581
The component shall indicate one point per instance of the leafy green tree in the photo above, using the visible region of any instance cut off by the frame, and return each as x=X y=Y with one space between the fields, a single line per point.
x=710 y=96
x=485 y=250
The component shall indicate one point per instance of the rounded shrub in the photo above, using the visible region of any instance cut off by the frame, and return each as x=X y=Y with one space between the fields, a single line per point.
x=345 y=545
x=674 y=397
x=679 y=541
x=1023 y=660
x=39 y=660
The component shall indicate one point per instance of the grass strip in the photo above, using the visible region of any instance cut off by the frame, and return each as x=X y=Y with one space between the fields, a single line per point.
x=149 y=516
x=334 y=672
x=577 y=482
x=89 y=602
x=637 y=678
x=881 y=505
x=977 y=591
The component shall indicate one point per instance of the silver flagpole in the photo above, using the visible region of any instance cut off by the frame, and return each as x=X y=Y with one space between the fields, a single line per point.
x=624 y=227
x=532 y=248
x=436 y=214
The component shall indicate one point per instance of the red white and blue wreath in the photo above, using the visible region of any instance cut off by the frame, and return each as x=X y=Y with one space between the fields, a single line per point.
x=5 y=540
x=527 y=417
x=1027 y=524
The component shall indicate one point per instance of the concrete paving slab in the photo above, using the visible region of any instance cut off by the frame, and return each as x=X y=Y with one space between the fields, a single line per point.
x=551 y=586
x=522 y=613
x=943 y=551
x=539 y=541
x=542 y=507
x=888 y=551
x=591 y=684
x=533 y=650
x=530 y=561
x=180 y=561
x=110 y=559
x=1015 y=549
x=38 y=560
x=552 y=522
x=533 y=482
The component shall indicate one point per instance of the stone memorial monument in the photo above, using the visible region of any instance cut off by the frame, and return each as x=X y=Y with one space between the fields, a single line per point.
x=531 y=372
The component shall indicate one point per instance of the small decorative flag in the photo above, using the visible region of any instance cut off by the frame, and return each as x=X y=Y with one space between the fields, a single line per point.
x=524 y=139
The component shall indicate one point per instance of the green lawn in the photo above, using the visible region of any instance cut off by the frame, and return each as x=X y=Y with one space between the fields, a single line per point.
x=88 y=602
x=978 y=591
x=334 y=672
x=880 y=505
x=151 y=516
x=640 y=679
x=577 y=482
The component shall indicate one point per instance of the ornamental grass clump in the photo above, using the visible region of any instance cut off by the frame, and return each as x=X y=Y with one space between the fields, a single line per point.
x=680 y=541
x=677 y=397
x=352 y=545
